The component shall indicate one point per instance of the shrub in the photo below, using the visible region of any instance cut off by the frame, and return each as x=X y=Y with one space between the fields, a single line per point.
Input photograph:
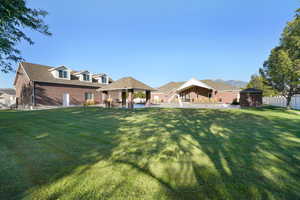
x=89 y=102
x=235 y=102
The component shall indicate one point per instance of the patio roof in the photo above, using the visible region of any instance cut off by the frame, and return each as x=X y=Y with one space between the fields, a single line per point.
x=193 y=82
x=125 y=84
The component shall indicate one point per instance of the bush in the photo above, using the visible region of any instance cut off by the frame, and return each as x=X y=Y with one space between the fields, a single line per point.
x=235 y=102
x=89 y=102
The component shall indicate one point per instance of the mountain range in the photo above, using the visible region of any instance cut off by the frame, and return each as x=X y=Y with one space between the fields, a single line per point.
x=236 y=83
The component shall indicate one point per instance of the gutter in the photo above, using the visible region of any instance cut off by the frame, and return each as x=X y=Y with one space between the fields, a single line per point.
x=33 y=94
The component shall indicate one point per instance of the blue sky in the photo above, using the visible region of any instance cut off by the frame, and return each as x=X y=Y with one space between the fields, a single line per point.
x=159 y=41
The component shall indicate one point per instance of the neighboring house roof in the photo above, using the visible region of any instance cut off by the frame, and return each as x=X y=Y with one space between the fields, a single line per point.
x=194 y=82
x=41 y=73
x=8 y=91
x=219 y=85
x=171 y=86
x=126 y=83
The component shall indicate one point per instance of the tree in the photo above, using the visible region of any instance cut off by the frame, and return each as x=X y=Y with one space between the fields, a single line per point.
x=258 y=82
x=141 y=95
x=14 y=17
x=282 y=69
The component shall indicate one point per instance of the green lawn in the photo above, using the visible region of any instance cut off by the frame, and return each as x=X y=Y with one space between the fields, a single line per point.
x=150 y=154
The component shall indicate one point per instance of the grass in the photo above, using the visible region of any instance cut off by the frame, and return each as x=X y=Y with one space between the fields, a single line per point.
x=150 y=154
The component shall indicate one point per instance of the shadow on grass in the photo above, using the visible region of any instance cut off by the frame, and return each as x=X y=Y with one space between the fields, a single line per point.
x=214 y=154
x=189 y=153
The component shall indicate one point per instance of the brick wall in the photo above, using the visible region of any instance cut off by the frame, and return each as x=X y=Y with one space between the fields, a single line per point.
x=226 y=96
x=52 y=94
x=159 y=97
x=24 y=88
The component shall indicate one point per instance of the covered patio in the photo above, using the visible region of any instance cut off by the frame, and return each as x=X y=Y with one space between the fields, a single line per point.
x=194 y=91
x=125 y=87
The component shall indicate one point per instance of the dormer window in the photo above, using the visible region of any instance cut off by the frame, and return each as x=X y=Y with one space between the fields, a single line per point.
x=86 y=77
x=104 y=79
x=62 y=74
x=83 y=76
x=101 y=78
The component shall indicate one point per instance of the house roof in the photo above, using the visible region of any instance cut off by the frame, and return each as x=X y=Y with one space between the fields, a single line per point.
x=194 y=82
x=219 y=85
x=41 y=73
x=126 y=83
x=8 y=91
x=80 y=72
x=251 y=90
x=171 y=86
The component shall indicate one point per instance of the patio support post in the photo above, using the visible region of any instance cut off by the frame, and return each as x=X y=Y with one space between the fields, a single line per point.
x=148 y=97
x=123 y=99
x=104 y=98
x=130 y=98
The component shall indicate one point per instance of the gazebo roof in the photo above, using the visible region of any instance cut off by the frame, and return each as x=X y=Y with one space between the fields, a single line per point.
x=193 y=82
x=126 y=83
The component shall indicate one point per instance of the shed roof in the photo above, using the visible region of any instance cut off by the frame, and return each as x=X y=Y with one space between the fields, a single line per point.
x=251 y=90
x=126 y=83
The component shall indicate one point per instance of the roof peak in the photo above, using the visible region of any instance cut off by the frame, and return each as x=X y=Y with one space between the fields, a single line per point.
x=126 y=83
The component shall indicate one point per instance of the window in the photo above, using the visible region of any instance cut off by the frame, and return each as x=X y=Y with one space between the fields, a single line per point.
x=89 y=96
x=104 y=79
x=62 y=74
x=86 y=77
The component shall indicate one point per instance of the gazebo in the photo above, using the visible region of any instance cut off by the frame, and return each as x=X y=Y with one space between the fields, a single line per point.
x=126 y=85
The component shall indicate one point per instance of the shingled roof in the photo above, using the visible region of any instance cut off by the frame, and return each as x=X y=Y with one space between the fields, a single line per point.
x=252 y=90
x=8 y=91
x=171 y=86
x=219 y=85
x=41 y=73
x=126 y=83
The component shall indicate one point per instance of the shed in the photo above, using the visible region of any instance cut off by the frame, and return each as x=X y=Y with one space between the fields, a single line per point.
x=251 y=97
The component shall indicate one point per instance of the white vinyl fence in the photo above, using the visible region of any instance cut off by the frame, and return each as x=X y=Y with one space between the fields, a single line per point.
x=281 y=101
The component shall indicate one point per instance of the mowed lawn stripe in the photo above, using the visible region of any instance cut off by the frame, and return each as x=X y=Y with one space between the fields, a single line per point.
x=95 y=153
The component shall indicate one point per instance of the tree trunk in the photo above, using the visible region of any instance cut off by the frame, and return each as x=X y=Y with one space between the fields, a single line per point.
x=288 y=101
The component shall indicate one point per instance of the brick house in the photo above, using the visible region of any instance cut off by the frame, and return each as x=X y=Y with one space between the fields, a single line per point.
x=196 y=91
x=38 y=85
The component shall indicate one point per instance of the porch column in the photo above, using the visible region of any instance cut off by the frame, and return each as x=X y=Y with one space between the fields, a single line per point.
x=104 y=98
x=130 y=98
x=148 y=97
x=123 y=99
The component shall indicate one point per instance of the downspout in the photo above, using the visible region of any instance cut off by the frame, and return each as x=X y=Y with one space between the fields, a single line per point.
x=33 y=94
